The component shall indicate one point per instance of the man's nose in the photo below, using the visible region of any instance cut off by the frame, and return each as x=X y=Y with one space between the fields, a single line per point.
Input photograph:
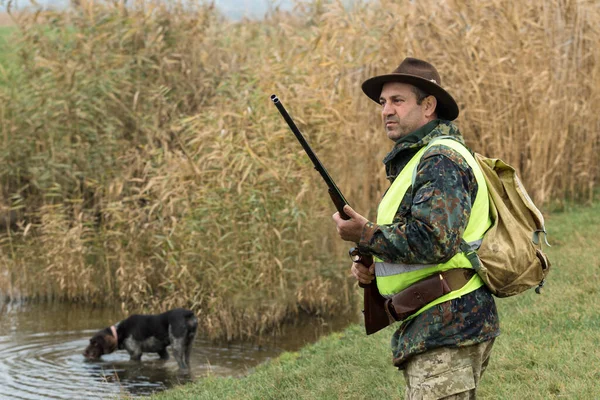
x=387 y=110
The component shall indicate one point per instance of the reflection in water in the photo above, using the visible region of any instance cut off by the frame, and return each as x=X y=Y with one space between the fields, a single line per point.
x=138 y=378
x=41 y=357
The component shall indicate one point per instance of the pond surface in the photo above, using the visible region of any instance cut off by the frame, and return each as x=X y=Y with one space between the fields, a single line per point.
x=41 y=357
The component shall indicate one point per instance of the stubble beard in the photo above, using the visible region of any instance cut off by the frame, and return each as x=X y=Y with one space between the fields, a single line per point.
x=396 y=131
x=401 y=128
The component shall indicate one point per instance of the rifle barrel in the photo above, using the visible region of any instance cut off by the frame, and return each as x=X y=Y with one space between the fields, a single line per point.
x=309 y=151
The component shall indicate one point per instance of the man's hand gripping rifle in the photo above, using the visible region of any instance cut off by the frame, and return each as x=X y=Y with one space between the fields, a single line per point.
x=374 y=310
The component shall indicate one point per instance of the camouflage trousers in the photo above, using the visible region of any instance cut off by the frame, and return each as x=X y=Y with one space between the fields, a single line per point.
x=446 y=373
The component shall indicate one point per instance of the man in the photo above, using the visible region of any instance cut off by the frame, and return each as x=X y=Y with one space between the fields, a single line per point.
x=433 y=214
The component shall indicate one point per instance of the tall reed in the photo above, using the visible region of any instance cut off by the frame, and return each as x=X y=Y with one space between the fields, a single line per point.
x=148 y=167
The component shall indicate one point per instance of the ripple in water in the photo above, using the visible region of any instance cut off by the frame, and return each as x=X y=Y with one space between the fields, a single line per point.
x=51 y=366
x=41 y=356
x=39 y=362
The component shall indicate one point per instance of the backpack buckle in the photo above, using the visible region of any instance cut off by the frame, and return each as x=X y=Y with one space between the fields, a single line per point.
x=539 y=287
x=471 y=255
x=536 y=237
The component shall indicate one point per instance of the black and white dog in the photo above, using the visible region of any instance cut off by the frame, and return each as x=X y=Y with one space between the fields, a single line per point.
x=148 y=334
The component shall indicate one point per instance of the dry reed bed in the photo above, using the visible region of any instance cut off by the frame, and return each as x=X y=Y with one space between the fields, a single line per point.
x=150 y=168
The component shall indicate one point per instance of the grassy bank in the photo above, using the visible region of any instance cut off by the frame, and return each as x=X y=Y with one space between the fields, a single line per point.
x=548 y=348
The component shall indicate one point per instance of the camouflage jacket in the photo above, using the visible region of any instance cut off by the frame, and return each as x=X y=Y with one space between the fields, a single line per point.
x=428 y=228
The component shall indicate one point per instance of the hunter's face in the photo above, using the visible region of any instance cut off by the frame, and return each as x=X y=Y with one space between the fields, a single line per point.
x=400 y=112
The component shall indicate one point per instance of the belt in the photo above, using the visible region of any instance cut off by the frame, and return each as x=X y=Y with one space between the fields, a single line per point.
x=409 y=300
x=457 y=278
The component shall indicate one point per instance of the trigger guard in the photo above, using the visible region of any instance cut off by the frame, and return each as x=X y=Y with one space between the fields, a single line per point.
x=354 y=254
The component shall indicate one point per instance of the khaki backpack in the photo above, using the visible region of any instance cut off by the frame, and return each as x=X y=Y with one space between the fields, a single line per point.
x=510 y=259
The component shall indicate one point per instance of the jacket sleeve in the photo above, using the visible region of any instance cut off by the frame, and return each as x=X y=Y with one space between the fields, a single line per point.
x=433 y=214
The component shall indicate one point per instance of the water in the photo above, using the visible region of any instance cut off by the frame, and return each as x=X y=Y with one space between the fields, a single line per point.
x=41 y=357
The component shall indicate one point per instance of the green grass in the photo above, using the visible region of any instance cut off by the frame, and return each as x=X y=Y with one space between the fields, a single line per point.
x=548 y=349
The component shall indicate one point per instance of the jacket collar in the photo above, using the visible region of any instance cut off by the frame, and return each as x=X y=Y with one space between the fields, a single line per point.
x=421 y=137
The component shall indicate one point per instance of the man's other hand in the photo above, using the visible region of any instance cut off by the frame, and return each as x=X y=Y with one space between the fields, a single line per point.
x=363 y=274
x=350 y=229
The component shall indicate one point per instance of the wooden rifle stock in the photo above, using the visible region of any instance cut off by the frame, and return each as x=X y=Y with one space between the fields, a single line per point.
x=374 y=306
x=376 y=317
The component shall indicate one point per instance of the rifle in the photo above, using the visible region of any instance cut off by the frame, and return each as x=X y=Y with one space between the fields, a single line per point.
x=376 y=317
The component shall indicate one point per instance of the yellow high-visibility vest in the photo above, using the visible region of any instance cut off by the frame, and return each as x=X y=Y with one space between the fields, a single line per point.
x=392 y=278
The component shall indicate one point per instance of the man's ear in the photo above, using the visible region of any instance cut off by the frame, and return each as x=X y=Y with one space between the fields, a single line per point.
x=429 y=105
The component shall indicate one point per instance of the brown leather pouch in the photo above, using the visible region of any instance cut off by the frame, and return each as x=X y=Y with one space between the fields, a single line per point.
x=407 y=302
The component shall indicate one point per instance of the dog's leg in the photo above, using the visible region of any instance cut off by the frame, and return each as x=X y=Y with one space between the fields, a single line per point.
x=191 y=326
x=188 y=352
x=178 y=352
x=164 y=354
x=134 y=349
x=135 y=355
x=177 y=345
x=188 y=346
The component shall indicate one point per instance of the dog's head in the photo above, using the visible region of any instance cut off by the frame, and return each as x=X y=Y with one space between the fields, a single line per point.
x=103 y=342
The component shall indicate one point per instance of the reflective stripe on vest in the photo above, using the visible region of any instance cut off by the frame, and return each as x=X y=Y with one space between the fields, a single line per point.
x=392 y=278
x=387 y=269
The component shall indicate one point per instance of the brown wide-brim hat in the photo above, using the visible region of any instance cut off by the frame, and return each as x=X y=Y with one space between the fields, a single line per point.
x=418 y=73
